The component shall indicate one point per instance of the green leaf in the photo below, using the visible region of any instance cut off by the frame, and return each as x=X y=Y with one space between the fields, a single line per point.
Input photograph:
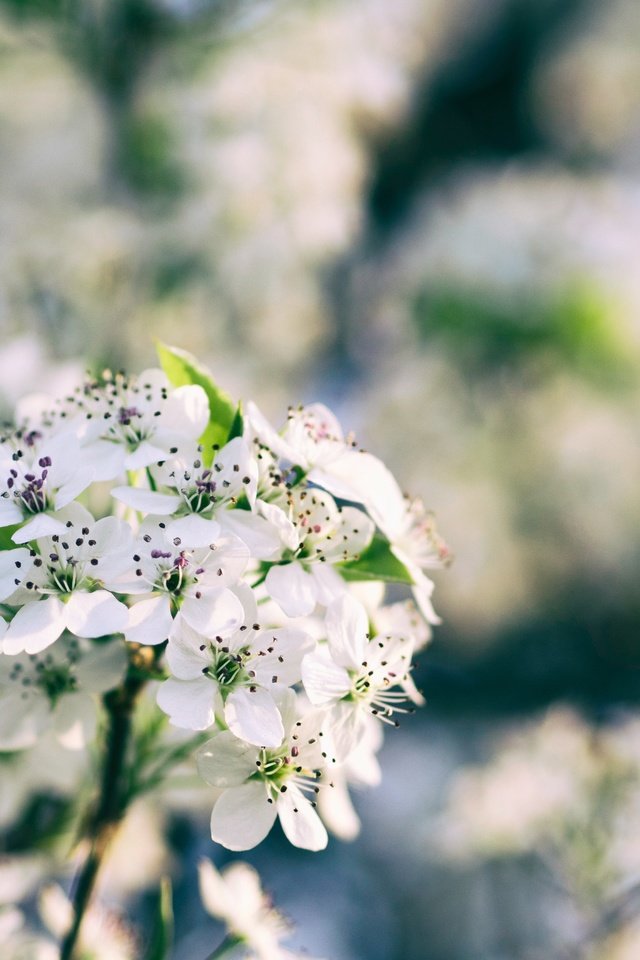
x=182 y=368
x=237 y=427
x=162 y=934
x=377 y=562
x=6 y=543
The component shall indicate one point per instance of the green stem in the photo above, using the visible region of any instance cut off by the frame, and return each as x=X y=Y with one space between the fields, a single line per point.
x=112 y=799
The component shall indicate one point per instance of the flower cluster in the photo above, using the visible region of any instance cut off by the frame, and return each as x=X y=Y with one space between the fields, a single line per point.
x=153 y=511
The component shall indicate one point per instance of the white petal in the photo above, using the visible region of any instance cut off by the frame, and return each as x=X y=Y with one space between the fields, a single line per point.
x=225 y=761
x=78 y=481
x=357 y=530
x=147 y=501
x=347 y=725
x=186 y=412
x=347 y=628
x=216 y=897
x=277 y=518
x=215 y=614
x=242 y=817
x=144 y=456
x=261 y=428
x=194 y=531
x=301 y=824
x=234 y=463
x=10 y=513
x=75 y=720
x=259 y=535
x=288 y=646
x=232 y=556
x=363 y=478
x=254 y=717
x=185 y=659
x=410 y=688
x=329 y=585
x=338 y=812
x=149 y=621
x=323 y=679
x=422 y=590
x=41 y=525
x=287 y=702
x=95 y=614
x=35 y=626
x=107 y=459
x=13 y=564
x=188 y=703
x=292 y=588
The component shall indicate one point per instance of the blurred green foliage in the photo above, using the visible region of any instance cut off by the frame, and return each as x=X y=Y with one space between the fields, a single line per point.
x=576 y=329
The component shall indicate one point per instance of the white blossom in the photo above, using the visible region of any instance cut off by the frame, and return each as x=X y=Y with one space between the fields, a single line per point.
x=259 y=784
x=237 y=562
x=235 y=896
x=54 y=690
x=356 y=674
x=326 y=535
x=174 y=580
x=58 y=583
x=131 y=423
x=202 y=500
x=239 y=677
x=39 y=476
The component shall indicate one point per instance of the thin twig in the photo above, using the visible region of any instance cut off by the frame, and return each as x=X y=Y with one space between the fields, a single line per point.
x=112 y=800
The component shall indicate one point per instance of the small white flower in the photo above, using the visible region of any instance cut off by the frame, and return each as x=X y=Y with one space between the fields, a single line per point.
x=203 y=499
x=235 y=896
x=260 y=784
x=132 y=423
x=238 y=677
x=355 y=674
x=175 y=580
x=326 y=534
x=58 y=583
x=311 y=437
x=38 y=477
x=103 y=936
x=54 y=690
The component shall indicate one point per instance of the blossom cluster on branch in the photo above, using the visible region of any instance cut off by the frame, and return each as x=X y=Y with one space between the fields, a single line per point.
x=151 y=510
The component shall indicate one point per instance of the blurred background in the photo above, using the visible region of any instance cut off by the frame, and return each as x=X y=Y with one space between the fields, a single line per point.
x=425 y=213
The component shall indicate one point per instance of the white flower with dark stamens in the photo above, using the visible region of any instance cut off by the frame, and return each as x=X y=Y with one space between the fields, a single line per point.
x=327 y=534
x=238 y=678
x=39 y=477
x=311 y=437
x=53 y=690
x=235 y=897
x=177 y=581
x=58 y=584
x=356 y=675
x=131 y=423
x=204 y=499
x=260 y=784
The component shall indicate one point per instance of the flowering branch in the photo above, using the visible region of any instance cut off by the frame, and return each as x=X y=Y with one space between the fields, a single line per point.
x=254 y=561
x=114 y=796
